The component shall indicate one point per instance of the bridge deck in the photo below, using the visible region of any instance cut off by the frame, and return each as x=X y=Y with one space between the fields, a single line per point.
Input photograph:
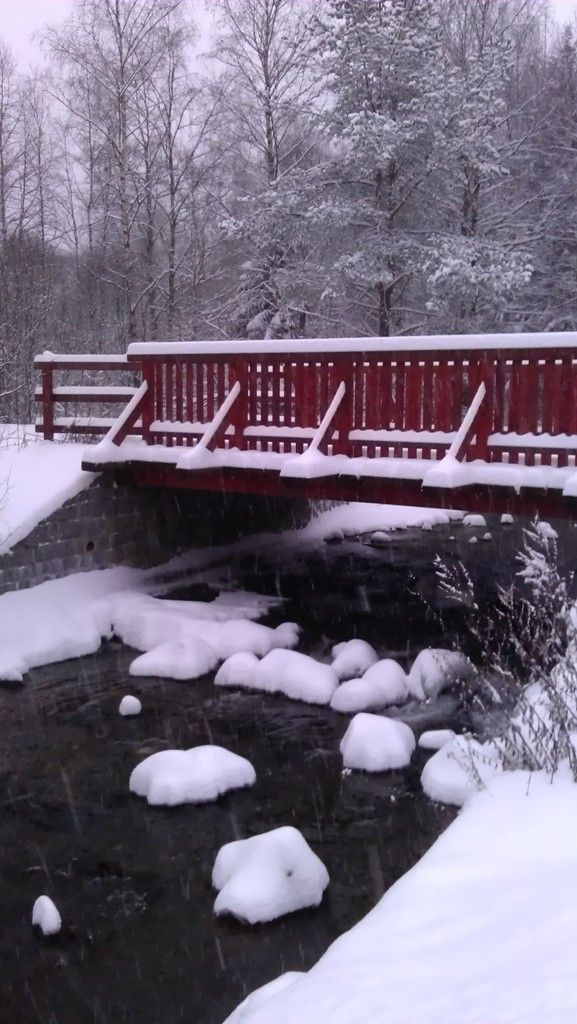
x=478 y=421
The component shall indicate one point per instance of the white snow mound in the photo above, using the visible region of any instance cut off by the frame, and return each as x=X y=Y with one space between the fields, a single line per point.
x=268 y=876
x=373 y=743
x=129 y=706
x=296 y=675
x=192 y=776
x=434 y=739
x=188 y=658
x=238 y=670
x=459 y=769
x=474 y=519
x=383 y=684
x=435 y=669
x=45 y=914
x=352 y=658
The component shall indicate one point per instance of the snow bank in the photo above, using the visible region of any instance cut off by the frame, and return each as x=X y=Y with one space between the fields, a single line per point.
x=460 y=768
x=192 y=776
x=129 y=706
x=45 y=914
x=35 y=481
x=434 y=739
x=373 y=743
x=352 y=658
x=268 y=876
x=435 y=669
x=263 y=993
x=383 y=684
x=296 y=675
x=481 y=931
x=354 y=518
x=69 y=617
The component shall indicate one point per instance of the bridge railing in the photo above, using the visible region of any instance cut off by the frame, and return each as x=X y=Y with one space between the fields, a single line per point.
x=71 y=405
x=398 y=397
x=402 y=397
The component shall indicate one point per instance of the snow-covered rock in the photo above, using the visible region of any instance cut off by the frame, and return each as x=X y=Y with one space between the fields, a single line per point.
x=474 y=519
x=129 y=706
x=434 y=669
x=352 y=658
x=268 y=876
x=238 y=670
x=373 y=743
x=383 y=684
x=380 y=539
x=487 y=536
x=237 y=637
x=190 y=776
x=46 y=915
x=188 y=658
x=473 y=540
x=434 y=739
x=507 y=519
x=296 y=675
x=458 y=770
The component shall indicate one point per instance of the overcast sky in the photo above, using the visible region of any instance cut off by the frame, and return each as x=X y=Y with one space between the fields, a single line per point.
x=20 y=19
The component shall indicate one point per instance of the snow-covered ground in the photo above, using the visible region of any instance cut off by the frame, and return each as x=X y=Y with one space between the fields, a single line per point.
x=483 y=930
x=36 y=478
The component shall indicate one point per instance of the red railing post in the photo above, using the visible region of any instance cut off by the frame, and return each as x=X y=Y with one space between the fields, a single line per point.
x=238 y=373
x=343 y=422
x=483 y=372
x=148 y=405
x=47 y=403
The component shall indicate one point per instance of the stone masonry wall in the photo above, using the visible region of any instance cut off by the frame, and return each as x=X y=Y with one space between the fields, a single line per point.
x=109 y=524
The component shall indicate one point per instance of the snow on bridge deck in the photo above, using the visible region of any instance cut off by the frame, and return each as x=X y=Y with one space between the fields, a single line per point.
x=489 y=421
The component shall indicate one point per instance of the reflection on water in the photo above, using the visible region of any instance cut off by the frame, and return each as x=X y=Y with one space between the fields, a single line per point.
x=139 y=942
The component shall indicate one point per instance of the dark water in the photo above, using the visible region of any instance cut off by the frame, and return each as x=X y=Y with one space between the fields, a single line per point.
x=139 y=942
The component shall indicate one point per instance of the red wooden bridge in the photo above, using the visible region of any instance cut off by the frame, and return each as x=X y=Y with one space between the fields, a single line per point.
x=483 y=422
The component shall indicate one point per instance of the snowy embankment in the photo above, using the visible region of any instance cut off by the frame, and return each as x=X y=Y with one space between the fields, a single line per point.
x=483 y=929
x=36 y=478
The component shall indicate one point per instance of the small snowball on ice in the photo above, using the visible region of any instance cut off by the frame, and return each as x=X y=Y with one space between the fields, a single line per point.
x=192 y=776
x=352 y=658
x=487 y=536
x=473 y=540
x=474 y=520
x=129 y=706
x=458 y=769
x=45 y=914
x=383 y=684
x=373 y=743
x=435 y=669
x=507 y=519
x=296 y=675
x=268 y=876
x=434 y=739
x=188 y=658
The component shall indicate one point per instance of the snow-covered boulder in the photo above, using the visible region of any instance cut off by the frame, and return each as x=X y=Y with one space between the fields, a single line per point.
x=352 y=658
x=373 y=743
x=434 y=739
x=268 y=876
x=235 y=637
x=435 y=669
x=458 y=770
x=46 y=916
x=383 y=684
x=190 y=776
x=507 y=519
x=238 y=670
x=474 y=519
x=129 y=706
x=296 y=675
x=188 y=658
